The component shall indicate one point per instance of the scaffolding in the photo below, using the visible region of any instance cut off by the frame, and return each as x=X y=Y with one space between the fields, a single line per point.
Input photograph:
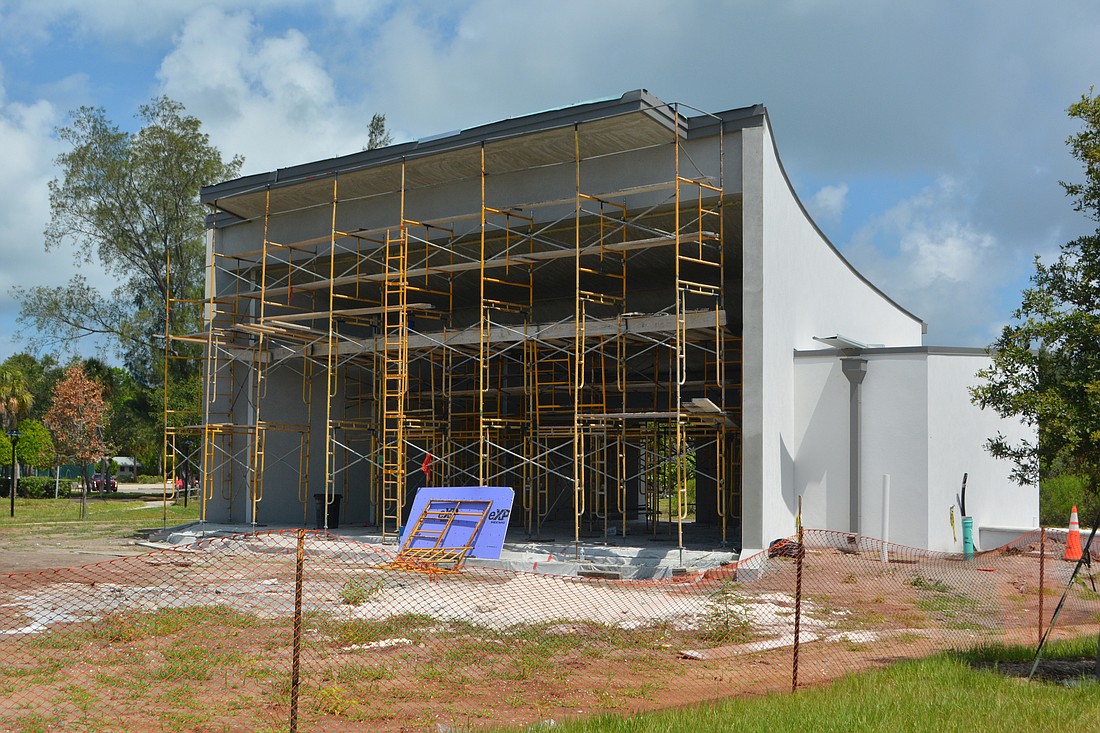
x=573 y=346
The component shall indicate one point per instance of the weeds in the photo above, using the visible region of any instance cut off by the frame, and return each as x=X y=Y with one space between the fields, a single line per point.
x=132 y=627
x=353 y=673
x=937 y=586
x=726 y=620
x=359 y=590
x=193 y=663
x=333 y=701
x=365 y=631
x=48 y=672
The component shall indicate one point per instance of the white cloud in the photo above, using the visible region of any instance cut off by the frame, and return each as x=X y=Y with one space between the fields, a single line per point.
x=358 y=12
x=29 y=151
x=949 y=250
x=30 y=22
x=269 y=98
x=28 y=157
x=829 y=202
x=927 y=253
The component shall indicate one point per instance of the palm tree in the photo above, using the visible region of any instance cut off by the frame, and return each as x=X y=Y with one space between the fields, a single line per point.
x=16 y=397
x=15 y=400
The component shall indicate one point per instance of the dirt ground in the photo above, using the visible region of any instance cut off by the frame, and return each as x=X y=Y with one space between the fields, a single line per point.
x=56 y=549
x=200 y=638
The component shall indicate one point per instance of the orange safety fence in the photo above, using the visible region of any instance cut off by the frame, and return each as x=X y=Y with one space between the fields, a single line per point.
x=314 y=631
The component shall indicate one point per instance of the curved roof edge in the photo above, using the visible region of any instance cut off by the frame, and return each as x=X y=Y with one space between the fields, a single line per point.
x=810 y=219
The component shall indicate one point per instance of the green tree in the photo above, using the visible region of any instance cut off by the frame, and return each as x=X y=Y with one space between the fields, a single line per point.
x=35 y=447
x=130 y=201
x=1046 y=364
x=16 y=397
x=41 y=375
x=378 y=137
x=16 y=400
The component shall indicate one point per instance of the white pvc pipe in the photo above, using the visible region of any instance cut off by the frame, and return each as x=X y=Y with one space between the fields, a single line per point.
x=885 y=516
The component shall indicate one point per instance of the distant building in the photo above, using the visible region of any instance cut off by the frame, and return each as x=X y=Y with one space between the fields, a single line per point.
x=619 y=308
x=128 y=467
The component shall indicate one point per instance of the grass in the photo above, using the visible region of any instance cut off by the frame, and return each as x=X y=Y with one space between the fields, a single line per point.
x=109 y=513
x=669 y=508
x=109 y=519
x=135 y=626
x=367 y=631
x=943 y=693
x=1083 y=647
x=726 y=621
x=193 y=662
x=928 y=584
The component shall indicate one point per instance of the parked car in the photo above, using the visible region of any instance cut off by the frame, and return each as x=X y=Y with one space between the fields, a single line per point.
x=97 y=483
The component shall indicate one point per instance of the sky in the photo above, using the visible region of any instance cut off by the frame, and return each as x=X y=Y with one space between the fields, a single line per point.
x=926 y=139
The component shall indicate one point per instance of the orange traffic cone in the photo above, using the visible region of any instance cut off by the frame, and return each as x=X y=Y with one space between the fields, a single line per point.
x=1073 y=540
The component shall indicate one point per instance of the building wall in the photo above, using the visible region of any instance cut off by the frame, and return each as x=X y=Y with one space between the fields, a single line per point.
x=461 y=196
x=821 y=440
x=896 y=433
x=894 y=441
x=958 y=431
x=921 y=429
x=796 y=287
x=918 y=424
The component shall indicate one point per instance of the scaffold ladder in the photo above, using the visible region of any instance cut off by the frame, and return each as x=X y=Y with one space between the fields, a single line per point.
x=395 y=383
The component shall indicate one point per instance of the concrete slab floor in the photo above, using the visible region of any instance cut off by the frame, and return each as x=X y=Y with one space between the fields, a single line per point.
x=638 y=555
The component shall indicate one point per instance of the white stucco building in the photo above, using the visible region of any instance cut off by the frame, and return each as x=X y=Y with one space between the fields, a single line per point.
x=620 y=308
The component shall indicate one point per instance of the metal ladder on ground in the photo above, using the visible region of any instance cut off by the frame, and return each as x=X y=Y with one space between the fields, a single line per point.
x=433 y=527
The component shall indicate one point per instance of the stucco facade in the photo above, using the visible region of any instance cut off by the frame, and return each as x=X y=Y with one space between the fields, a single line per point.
x=920 y=428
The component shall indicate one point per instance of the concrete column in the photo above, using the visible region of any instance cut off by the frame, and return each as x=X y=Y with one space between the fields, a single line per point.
x=754 y=372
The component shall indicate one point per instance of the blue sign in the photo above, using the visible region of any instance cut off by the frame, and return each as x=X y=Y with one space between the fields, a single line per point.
x=460 y=516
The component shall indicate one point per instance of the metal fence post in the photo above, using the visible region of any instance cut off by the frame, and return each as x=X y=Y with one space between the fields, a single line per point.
x=800 y=554
x=296 y=658
x=1042 y=577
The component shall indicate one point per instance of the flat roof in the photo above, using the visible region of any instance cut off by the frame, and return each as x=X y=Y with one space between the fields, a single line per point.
x=889 y=350
x=636 y=119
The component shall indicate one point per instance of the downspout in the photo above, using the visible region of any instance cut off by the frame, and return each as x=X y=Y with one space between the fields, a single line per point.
x=855 y=369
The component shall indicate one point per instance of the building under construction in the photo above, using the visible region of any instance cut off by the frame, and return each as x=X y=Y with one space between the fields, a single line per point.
x=605 y=306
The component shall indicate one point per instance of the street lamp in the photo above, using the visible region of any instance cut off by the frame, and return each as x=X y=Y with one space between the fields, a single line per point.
x=14 y=435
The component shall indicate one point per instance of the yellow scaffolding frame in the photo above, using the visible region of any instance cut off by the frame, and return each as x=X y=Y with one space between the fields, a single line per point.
x=496 y=386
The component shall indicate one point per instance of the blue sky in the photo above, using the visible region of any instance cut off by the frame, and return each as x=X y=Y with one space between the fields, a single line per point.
x=927 y=139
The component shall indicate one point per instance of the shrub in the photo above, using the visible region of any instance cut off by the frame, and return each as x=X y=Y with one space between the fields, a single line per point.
x=1059 y=494
x=35 y=487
